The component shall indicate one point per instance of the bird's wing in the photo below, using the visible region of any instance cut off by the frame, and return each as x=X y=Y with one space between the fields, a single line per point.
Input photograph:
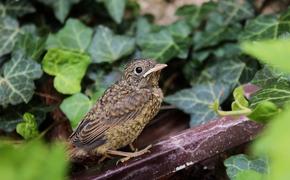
x=117 y=109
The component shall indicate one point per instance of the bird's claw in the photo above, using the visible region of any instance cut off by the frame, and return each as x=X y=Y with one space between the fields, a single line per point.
x=134 y=154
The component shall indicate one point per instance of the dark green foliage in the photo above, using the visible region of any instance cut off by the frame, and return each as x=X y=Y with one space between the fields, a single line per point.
x=84 y=44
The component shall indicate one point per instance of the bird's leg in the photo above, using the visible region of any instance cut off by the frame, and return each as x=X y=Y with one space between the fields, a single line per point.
x=104 y=156
x=132 y=147
x=129 y=155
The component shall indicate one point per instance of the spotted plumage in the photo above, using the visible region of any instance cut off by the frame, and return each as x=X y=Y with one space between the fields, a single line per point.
x=122 y=112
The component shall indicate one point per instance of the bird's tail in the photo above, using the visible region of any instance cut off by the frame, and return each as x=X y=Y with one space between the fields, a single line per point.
x=76 y=153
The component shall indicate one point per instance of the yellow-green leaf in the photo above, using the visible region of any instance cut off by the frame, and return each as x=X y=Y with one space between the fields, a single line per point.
x=68 y=67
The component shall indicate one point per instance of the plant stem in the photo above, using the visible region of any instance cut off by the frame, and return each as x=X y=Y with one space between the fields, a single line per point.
x=245 y=111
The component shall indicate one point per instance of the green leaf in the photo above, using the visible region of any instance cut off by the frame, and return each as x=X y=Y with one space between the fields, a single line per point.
x=240 y=100
x=143 y=26
x=28 y=128
x=223 y=51
x=16 y=79
x=33 y=160
x=274 y=143
x=272 y=52
x=116 y=9
x=60 y=8
x=15 y=8
x=223 y=25
x=196 y=101
x=74 y=36
x=215 y=83
x=159 y=46
x=12 y=115
x=107 y=47
x=68 y=67
x=180 y=32
x=269 y=75
x=226 y=71
x=9 y=31
x=264 y=111
x=31 y=45
x=76 y=107
x=250 y=70
x=194 y=14
x=216 y=31
x=277 y=93
x=228 y=50
x=249 y=174
x=266 y=27
x=234 y=11
x=9 y=121
x=239 y=163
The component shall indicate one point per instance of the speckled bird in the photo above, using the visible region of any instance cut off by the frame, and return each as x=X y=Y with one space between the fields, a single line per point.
x=123 y=111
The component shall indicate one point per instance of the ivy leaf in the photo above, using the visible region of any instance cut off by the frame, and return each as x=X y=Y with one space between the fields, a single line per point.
x=224 y=24
x=61 y=8
x=16 y=79
x=234 y=11
x=159 y=46
x=272 y=52
x=215 y=32
x=74 y=36
x=239 y=163
x=250 y=70
x=196 y=101
x=76 y=107
x=116 y=9
x=68 y=67
x=107 y=47
x=194 y=14
x=31 y=45
x=28 y=128
x=249 y=174
x=275 y=145
x=180 y=32
x=9 y=31
x=223 y=51
x=227 y=72
x=266 y=27
x=15 y=8
x=269 y=75
x=278 y=93
x=215 y=83
x=13 y=115
x=143 y=26
x=264 y=111
x=28 y=157
x=9 y=121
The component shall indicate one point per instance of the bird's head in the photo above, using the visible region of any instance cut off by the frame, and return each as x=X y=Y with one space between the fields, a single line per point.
x=143 y=73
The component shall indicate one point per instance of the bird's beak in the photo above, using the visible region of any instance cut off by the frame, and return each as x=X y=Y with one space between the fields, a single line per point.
x=157 y=67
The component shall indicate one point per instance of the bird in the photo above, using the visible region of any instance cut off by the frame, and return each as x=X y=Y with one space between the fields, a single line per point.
x=122 y=112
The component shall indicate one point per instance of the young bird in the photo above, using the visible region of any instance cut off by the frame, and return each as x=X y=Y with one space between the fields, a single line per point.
x=121 y=114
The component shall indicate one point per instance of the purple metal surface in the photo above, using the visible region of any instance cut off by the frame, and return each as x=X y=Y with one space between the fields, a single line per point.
x=183 y=150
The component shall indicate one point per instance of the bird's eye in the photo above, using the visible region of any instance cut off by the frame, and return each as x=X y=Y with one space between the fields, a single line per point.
x=138 y=70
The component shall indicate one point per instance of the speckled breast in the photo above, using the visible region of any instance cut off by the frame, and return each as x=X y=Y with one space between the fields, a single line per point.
x=127 y=132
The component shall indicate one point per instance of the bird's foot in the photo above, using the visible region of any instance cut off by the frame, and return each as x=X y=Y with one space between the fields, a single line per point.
x=132 y=147
x=105 y=156
x=129 y=155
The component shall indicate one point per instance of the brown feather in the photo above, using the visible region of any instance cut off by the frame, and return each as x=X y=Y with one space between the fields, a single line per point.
x=120 y=115
x=90 y=132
